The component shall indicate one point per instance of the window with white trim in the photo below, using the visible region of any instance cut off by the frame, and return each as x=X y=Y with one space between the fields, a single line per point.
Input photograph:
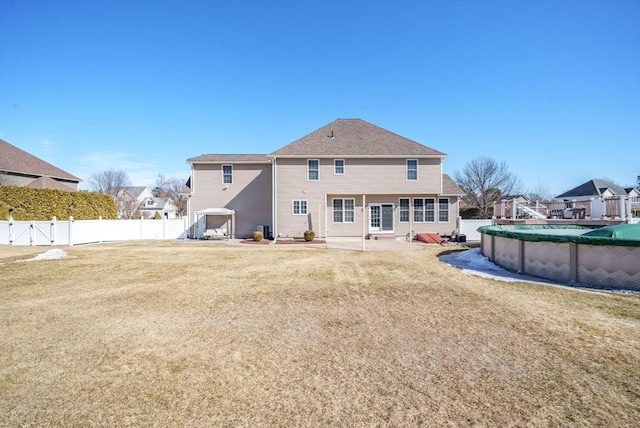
x=227 y=174
x=443 y=209
x=313 y=169
x=299 y=207
x=424 y=210
x=343 y=210
x=338 y=166
x=412 y=169
x=404 y=210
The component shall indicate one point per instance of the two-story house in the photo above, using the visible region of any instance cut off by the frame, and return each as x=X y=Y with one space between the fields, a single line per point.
x=347 y=178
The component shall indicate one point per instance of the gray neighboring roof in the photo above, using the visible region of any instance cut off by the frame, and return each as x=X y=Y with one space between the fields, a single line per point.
x=134 y=191
x=229 y=158
x=449 y=187
x=15 y=160
x=355 y=137
x=593 y=188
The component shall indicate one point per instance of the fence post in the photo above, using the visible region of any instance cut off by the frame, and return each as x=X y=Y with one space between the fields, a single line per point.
x=32 y=234
x=141 y=227
x=54 y=221
x=11 y=230
x=71 y=231
x=164 y=227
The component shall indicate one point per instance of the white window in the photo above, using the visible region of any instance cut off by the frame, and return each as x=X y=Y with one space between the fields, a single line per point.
x=227 y=174
x=299 y=207
x=313 y=166
x=412 y=169
x=404 y=210
x=343 y=210
x=424 y=210
x=443 y=209
x=338 y=166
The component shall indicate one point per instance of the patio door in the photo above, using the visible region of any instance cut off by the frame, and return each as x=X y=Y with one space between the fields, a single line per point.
x=381 y=218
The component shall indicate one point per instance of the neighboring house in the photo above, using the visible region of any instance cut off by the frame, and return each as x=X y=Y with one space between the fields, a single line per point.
x=348 y=178
x=157 y=207
x=138 y=201
x=129 y=199
x=601 y=189
x=19 y=168
x=593 y=189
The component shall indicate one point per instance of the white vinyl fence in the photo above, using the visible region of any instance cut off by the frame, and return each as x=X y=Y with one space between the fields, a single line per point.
x=469 y=228
x=75 y=232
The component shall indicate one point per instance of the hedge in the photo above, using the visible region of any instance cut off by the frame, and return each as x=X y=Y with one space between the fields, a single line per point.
x=42 y=204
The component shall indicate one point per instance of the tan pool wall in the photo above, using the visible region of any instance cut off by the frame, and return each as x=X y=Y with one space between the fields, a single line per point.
x=599 y=265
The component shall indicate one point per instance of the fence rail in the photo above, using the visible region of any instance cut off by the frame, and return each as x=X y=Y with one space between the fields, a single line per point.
x=611 y=207
x=75 y=232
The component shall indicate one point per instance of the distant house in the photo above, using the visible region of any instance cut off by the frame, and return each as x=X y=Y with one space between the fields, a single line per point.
x=593 y=189
x=138 y=201
x=19 y=168
x=347 y=178
x=601 y=189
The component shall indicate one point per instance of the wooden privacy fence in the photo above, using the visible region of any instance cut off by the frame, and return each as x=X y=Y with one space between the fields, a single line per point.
x=74 y=232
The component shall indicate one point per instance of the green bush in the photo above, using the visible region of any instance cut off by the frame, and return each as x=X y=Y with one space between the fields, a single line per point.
x=309 y=235
x=257 y=235
x=26 y=203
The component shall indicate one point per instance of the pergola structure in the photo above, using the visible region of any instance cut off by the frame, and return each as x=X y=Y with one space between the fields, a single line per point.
x=229 y=232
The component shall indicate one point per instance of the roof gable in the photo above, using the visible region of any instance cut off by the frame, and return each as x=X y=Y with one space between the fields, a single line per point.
x=355 y=137
x=15 y=160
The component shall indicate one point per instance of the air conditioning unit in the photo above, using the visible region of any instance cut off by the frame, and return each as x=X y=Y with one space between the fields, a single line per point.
x=264 y=228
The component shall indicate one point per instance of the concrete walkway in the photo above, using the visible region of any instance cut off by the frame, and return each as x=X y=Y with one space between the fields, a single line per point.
x=355 y=244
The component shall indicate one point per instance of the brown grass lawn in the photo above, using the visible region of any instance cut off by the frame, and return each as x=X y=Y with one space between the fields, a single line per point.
x=202 y=334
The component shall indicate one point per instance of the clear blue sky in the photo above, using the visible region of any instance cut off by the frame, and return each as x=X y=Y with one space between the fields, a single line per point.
x=552 y=87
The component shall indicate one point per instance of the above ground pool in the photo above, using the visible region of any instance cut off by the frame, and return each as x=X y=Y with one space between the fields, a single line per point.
x=606 y=257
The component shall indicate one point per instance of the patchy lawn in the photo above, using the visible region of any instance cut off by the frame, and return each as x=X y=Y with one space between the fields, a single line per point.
x=194 y=334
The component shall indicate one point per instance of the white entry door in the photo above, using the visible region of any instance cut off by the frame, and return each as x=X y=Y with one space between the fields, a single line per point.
x=381 y=218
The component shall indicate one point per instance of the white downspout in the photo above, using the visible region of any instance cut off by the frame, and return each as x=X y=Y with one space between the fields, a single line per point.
x=274 y=198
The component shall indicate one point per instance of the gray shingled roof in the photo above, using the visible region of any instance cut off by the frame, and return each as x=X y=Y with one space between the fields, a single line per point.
x=355 y=137
x=229 y=158
x=449 y=187
x=593 y=188
x=15 y=160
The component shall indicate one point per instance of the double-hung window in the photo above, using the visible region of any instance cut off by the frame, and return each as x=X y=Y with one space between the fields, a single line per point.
x=443 y=209
x=343 y=210
x=404 y=210
x=412 y=169
x=299 y=207
x=424 y=210
x=338 y=166
x=227 y=174
x=313 y=169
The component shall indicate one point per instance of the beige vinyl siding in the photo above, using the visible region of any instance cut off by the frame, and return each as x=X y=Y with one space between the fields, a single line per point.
x=381 y=180
x=249 y=194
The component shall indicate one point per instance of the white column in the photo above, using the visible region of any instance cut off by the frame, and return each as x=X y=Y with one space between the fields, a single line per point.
x=364 y=220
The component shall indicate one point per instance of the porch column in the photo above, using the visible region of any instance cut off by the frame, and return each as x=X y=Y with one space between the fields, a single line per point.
x=364 y=220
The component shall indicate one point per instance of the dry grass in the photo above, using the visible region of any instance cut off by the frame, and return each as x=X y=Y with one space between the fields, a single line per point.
x=195 y=334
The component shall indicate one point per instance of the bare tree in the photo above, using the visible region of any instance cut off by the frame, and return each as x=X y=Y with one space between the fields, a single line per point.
x=171 y=188
x=485 y=181
x=540 y=192
x=109 y=181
